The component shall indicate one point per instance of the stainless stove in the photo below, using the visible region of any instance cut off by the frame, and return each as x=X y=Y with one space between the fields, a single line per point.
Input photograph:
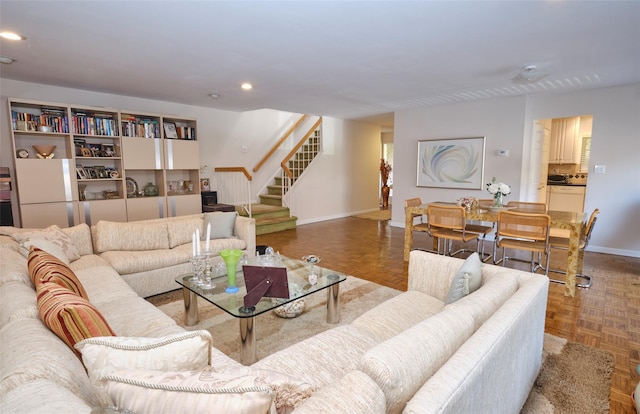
x=567 y=179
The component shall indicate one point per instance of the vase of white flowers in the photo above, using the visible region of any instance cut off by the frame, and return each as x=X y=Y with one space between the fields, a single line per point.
x=498 y=190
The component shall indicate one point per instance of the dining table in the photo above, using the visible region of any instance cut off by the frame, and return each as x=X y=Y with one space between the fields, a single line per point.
x=566 y=220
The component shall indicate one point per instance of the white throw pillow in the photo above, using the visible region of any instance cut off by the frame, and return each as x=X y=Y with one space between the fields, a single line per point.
x=222 y=224
x=188 y=392
x=51 y=235
x=185 y=351
x=467 y=280
x=289 y=391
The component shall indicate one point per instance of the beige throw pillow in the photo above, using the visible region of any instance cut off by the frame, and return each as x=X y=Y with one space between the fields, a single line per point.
x=51 y=236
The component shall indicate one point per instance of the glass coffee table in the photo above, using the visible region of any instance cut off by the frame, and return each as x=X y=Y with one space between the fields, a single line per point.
x=303 y=280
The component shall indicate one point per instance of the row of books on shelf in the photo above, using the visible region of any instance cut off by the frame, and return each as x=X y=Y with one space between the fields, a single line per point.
x=95 y=124
x=184 y=132
x=24 y=121
x=143 y=128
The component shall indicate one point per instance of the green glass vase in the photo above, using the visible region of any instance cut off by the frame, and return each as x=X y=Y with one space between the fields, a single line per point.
x=231 y=257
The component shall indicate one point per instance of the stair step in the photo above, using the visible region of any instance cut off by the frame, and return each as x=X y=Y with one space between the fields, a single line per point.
x=274 y=190
x=273 y=225
x=270 y=199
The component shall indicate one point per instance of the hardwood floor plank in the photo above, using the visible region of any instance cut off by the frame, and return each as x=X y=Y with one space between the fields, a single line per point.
x=606 y=316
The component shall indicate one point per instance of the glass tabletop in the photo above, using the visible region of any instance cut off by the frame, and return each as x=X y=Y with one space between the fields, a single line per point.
x=298 y=273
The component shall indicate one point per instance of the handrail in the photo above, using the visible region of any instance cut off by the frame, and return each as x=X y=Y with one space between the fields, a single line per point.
x=235 y=169
x=277 y=144
x=295 y=149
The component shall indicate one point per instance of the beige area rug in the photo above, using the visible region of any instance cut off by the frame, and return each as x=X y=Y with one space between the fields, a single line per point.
x=380 y=215
x=575 y=378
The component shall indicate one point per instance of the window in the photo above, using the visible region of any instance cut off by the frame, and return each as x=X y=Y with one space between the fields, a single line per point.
x=585 y=154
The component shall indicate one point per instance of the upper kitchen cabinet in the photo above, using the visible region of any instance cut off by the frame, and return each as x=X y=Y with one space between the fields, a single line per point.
x=566 y=141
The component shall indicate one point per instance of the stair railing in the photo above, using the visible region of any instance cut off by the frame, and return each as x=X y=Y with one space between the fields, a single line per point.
x=234 y=187
x=289 y=176
x=277 y=145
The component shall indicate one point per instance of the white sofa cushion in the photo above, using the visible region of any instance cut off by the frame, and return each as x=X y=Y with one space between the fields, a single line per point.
x=59 y=399
x=178 y=352
x=353 y=393
x=131 y=236
x=141 y=261
x=323 y=358
x=394 y=315
x=181 y=229
x=14 y=268
x=80 y=235
x=30 y=351
x=481 y=304
x=403 y=363
x=18 y=302
x=188 y=392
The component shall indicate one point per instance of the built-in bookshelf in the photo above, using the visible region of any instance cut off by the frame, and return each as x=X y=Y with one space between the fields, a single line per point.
x=100 y=162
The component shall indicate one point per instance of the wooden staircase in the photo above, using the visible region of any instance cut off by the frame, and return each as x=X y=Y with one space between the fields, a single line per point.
x=271 y=216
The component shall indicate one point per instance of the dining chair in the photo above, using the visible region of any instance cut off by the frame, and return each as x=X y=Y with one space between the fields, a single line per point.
x=528 y=206
x=524 y=231
x=448 y=223
x=562 y=243
x=422 y=226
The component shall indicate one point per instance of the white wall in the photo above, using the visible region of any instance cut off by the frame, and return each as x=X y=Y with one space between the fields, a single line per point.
x=500 y=121
x=507 y=123
x=342 y=182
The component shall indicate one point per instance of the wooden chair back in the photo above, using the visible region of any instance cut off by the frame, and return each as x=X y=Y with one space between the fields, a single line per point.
x=447 y=217
x=529 y=226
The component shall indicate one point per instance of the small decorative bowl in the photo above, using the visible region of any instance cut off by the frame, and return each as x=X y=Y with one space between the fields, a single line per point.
x=312 y=259
x=291 y=309
x=45 y=128
x=44 y=151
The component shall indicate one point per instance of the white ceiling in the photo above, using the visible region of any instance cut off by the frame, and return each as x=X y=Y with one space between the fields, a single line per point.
x=355 y=60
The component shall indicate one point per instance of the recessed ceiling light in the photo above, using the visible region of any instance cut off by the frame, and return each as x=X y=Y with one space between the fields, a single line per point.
x=214 y=95
x=6 y=60
x=11 y=36
x=246 y=86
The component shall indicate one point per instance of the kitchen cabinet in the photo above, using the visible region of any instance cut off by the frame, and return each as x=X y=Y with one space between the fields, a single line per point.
x=566 y=141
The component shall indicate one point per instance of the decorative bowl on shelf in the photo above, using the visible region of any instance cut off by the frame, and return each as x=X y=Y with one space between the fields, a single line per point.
x=44 y=151
x=45 y=128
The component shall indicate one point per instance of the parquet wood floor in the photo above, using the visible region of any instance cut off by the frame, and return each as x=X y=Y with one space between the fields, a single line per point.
x=605 y=316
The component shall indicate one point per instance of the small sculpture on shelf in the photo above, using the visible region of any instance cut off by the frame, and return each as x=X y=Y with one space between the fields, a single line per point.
x=44 y=151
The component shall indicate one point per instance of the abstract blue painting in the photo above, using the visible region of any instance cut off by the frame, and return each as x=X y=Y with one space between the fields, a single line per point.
x=451 y=163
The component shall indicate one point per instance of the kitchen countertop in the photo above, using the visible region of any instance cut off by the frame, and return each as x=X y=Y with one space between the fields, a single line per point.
x=567 y=185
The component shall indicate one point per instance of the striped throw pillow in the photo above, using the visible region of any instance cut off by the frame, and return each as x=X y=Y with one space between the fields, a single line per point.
x=70 y=316
x=44 y=268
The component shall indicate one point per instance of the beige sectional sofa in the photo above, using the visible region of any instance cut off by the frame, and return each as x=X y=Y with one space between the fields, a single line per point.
x=413 y=353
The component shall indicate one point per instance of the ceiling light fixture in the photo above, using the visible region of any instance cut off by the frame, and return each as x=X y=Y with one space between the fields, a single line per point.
x=528 y=74
x=246 y=86
x=6 y=60
x=214 y=95
x=11 y=36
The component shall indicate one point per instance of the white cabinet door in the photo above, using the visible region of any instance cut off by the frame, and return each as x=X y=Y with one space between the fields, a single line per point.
x=566 y=142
